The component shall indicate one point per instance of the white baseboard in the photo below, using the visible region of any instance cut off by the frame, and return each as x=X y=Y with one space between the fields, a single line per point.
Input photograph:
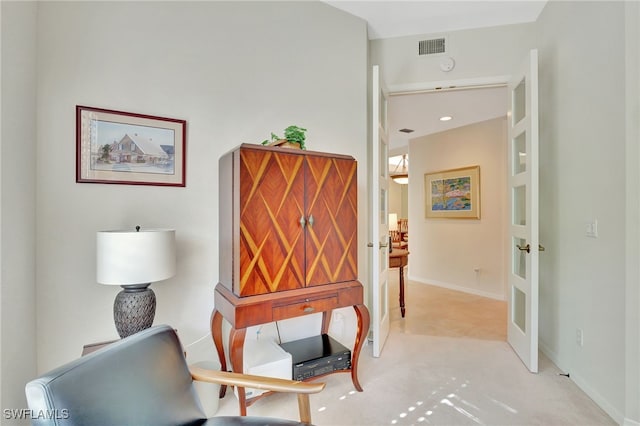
x=458 y=288
x=597 y=398
x=586 y=388
x=629 y=422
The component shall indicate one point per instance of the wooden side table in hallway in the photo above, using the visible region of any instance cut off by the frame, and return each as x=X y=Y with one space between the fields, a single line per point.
x=400 y=259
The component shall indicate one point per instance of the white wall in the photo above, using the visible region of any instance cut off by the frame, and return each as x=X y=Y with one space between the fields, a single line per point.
x=17 y=202
x=398 y=201
x=445 y=252
x=632 y=104
x=487 y=52
x=582 y=178
x=235 y=72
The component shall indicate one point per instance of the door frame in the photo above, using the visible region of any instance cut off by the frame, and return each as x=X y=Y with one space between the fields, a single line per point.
x=447 y=85
x=461 y=84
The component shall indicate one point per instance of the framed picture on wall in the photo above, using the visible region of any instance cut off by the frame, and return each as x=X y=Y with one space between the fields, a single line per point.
x=128 y=148
x=453 y=194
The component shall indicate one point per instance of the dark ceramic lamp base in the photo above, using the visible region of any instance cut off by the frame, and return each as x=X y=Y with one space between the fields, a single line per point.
x=134 y=309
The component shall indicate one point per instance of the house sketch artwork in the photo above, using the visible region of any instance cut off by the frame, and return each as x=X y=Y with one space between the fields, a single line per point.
x=119 y=147
x=451 y=194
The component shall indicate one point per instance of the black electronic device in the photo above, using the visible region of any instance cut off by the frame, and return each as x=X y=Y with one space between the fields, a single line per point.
x=317 y=355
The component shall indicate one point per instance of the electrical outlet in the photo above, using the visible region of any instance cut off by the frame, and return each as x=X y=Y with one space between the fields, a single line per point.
x=579 y=337
x=592 y=229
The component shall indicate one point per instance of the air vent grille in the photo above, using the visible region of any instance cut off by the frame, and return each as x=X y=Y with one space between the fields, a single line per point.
x=432 y=46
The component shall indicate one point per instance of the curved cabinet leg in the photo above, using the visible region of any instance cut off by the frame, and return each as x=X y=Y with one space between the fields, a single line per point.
x=362 y=314
x=236 y=345
x=216 y=334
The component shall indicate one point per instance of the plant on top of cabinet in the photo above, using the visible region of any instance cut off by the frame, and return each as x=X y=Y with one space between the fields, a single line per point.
x=294 y=137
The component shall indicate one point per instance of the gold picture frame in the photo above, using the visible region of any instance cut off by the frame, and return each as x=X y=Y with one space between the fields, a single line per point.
x=453 y=194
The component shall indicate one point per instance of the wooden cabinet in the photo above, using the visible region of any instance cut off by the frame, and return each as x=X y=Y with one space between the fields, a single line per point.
x=288 y=219
x=288 y=245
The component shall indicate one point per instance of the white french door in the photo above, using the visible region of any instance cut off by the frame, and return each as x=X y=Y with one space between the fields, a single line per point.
x=524 y=245
x=378 y=216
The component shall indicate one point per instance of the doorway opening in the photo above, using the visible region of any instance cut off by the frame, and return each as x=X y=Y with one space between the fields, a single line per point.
x=457 y=282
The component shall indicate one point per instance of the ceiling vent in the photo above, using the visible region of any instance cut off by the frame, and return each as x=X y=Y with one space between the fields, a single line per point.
x=433 y=46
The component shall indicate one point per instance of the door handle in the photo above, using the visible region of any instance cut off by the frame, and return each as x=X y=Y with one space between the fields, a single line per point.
x=527 y=248
x=303 y=221
x=382 y=245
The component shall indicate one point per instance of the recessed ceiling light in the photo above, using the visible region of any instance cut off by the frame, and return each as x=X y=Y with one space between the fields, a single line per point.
x=445 y=118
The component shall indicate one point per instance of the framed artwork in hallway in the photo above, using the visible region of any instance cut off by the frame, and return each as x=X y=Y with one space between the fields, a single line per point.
x=453 y=194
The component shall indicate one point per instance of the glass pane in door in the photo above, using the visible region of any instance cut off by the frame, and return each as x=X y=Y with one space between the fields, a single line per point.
x=519 y=102
x=520 y=205
x=384 y=160
x=519 y=258
x=384 y=298
x=384 y=292
x=519 y=306
x=383 y=111
x=519 y=154
x=384 y=218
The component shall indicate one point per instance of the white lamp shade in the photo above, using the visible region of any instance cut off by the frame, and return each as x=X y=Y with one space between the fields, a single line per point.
x=393 y=221
x=132 y=257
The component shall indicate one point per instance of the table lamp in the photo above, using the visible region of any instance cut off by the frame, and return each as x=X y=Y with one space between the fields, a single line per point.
x=134 y=260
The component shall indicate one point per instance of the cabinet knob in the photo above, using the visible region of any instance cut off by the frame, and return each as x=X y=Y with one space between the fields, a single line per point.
x=302 y=221
x=310 y=220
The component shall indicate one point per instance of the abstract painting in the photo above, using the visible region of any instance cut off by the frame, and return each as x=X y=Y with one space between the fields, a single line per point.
x=453 y=193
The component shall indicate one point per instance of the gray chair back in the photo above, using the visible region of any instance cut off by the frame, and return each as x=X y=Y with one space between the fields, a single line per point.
x=140 y=380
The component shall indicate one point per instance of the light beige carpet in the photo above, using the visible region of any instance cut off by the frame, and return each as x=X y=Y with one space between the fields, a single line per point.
x=445 y=363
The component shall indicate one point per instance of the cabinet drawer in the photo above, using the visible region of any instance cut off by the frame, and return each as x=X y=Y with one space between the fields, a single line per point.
x=304 y=307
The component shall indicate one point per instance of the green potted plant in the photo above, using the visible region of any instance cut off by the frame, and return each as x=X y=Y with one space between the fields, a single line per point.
x=294 y=137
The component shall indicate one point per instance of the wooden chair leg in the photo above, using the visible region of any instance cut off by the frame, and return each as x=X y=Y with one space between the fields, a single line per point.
x=303 y=407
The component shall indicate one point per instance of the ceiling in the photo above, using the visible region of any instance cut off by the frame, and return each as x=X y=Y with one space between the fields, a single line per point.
x=400 y=18
x=421 y=112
